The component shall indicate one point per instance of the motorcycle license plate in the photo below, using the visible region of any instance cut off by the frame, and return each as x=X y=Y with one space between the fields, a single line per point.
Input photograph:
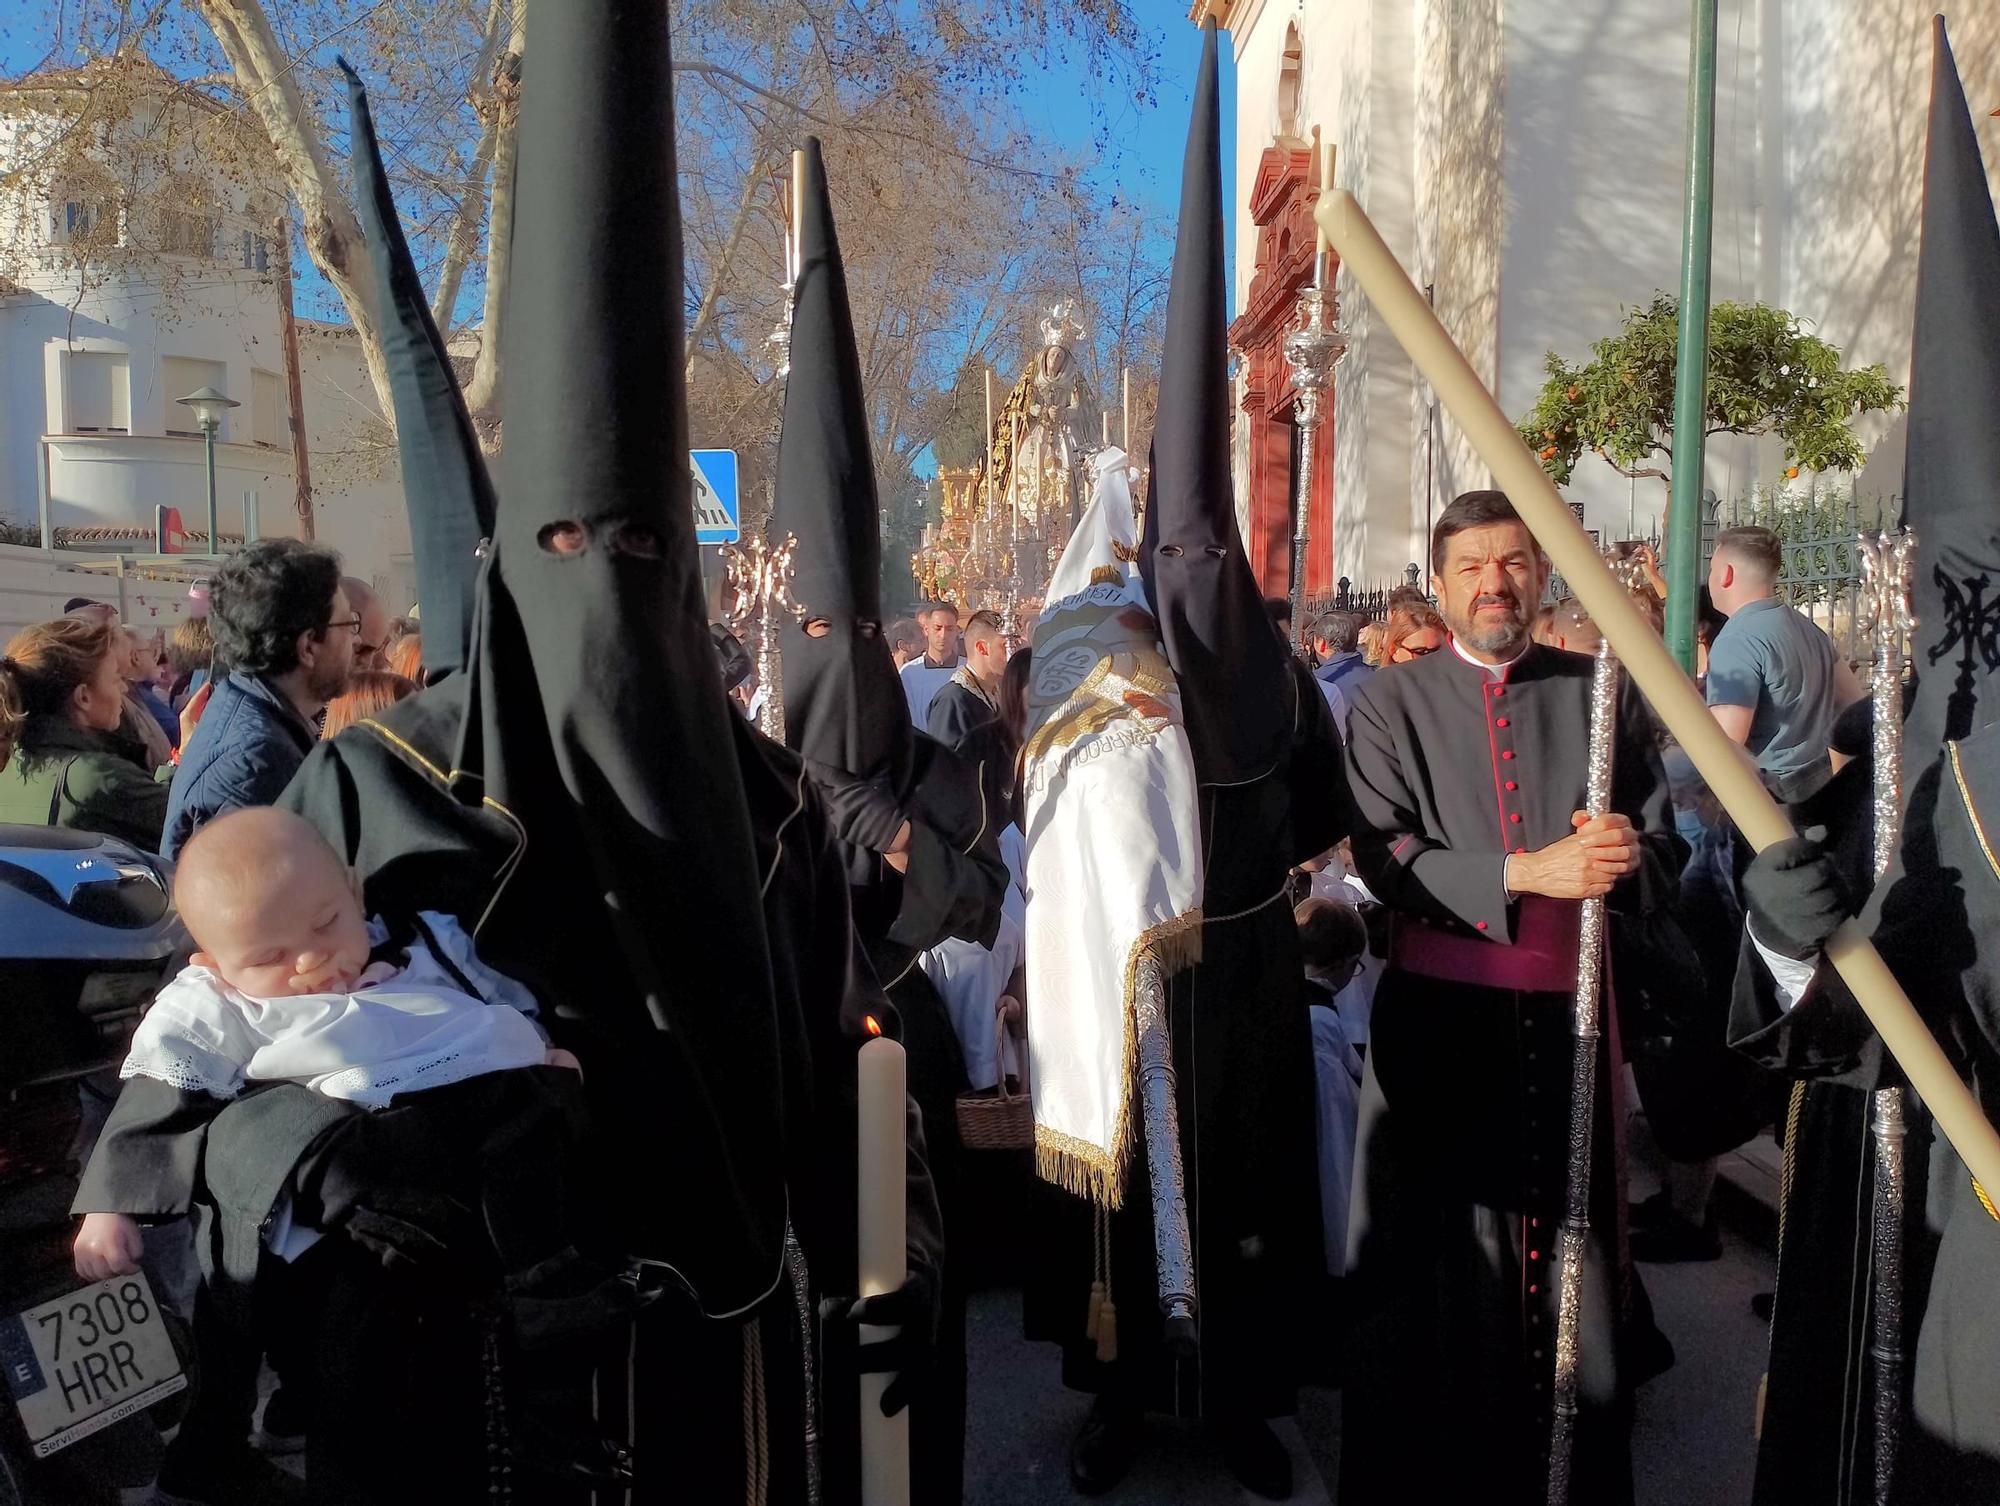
x=85 y=1361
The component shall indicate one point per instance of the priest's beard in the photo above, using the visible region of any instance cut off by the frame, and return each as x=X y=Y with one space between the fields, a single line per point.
x=1491 y=634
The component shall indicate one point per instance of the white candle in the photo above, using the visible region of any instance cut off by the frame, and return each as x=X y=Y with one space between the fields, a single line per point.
x=885 y=1441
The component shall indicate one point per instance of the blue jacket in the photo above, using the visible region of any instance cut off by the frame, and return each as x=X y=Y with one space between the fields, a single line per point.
x=1339 y=679
x=249 y=743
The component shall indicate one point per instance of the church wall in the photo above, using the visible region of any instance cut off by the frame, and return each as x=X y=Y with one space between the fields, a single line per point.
x=1595 y=105
x=1526 y=159
x=1855 y=79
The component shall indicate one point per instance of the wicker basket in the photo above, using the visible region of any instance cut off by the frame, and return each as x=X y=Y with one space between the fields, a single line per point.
x=1005 y=1120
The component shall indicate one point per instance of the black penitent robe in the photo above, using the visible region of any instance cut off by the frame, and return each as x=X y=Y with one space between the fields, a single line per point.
x=378 y=794
x=1243 y=1058
x=1938 y=909
x=1461 y=1150
x=964 y=718
x=1816 y=1442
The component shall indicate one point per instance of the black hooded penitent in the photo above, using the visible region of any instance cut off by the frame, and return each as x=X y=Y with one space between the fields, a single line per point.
x=595 y=714
x=844 y=706
x=1235 y=678
x=445 y=483
x=1951 y=479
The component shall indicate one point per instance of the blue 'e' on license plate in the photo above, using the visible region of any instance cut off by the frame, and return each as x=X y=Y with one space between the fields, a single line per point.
x=85 y=1361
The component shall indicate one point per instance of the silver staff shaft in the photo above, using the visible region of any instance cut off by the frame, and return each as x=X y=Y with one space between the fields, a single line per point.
x=770 y=672
x=1886 y=562
x=1585 y=1032
x=1173 y=1246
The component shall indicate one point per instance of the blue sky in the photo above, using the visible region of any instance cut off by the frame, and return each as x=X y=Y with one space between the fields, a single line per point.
x=1142 y=147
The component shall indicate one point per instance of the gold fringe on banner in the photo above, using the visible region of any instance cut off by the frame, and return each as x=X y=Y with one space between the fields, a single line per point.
x=1075 y=1165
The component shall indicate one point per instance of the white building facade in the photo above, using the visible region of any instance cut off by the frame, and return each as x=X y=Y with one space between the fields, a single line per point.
x=137 y=265
x=1524 y=159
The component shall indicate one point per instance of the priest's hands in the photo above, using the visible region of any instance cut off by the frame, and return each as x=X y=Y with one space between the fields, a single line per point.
x=108 y=1244
x=1794 y=895
x=1583 y=865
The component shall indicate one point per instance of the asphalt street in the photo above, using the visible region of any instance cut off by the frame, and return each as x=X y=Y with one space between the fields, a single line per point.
x=1693 y=1438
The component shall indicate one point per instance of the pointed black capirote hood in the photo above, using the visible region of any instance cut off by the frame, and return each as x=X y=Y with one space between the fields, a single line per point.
x=596 y=719
x=844 y=705
x=1235 y=682
x=445 y=482
x=1951 y=479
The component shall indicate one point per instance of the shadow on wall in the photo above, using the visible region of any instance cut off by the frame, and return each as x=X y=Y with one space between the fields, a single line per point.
x=1598 y=163
x=1460 y=161
x=1855 y=153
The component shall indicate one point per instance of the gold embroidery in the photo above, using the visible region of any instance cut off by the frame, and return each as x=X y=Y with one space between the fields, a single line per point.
x=1076 y=1165
x=1972 y=813
x=513 y=862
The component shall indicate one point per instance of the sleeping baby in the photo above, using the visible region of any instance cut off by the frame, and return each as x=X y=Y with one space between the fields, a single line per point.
x=291 y=983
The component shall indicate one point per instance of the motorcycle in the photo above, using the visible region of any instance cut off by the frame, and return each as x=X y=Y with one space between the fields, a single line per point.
x=93 y=1372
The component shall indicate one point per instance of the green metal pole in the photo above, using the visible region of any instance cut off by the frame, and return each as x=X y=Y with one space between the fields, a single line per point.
x=1691 y=360
x=214 y=545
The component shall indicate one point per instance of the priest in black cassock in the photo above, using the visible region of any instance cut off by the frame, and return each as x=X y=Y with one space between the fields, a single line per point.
x=1468 y=774
x=920 y=846
x=1933 y=917
x=1268 y=766
x=582 y=798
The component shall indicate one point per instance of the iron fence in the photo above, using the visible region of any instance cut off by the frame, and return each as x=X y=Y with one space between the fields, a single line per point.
x=1820 y=533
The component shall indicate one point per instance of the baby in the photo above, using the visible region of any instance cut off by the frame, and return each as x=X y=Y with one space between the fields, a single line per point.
x=293 y=984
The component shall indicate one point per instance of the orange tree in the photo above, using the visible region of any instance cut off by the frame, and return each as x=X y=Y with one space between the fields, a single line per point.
x=1766 y=375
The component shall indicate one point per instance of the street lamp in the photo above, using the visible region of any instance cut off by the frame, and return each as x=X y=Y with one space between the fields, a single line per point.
x=209 y=406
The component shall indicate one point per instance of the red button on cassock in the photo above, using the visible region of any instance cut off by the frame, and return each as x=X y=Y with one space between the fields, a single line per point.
x=1512 y=786
x=1499 y=689
x=1515 y=817
x=1506 y=752
x=1479 y=925
x=1500 y=721
x=1520 y=849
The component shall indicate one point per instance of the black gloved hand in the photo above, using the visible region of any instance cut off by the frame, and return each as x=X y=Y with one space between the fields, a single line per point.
x=862 y=812
x=1795 y=896
x=412 y=1231
x=913 y=1308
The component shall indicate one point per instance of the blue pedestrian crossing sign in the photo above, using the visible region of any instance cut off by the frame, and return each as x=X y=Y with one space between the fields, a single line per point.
x=716 y=505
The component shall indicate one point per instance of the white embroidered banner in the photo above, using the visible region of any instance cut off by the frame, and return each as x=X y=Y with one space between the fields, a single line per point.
x=1114 y=840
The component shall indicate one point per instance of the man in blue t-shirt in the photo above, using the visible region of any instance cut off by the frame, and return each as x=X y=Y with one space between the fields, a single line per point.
x=1775 y=683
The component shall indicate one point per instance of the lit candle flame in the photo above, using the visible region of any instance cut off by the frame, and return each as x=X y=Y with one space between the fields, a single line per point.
x=874 y=1025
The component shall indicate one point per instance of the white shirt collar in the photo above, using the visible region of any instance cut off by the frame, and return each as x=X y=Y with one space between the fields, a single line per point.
x=1494 y=671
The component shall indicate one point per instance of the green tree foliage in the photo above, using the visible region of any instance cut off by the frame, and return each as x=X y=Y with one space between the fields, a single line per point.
x=1766 y=375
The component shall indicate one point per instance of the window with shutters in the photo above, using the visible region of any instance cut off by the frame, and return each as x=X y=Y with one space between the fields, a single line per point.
x=267 y=409
x=99 y=396
x=182 y=375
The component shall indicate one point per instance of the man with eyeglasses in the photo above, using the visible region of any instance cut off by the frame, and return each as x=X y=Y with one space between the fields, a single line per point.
x=286 y=629
x=372 y=640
